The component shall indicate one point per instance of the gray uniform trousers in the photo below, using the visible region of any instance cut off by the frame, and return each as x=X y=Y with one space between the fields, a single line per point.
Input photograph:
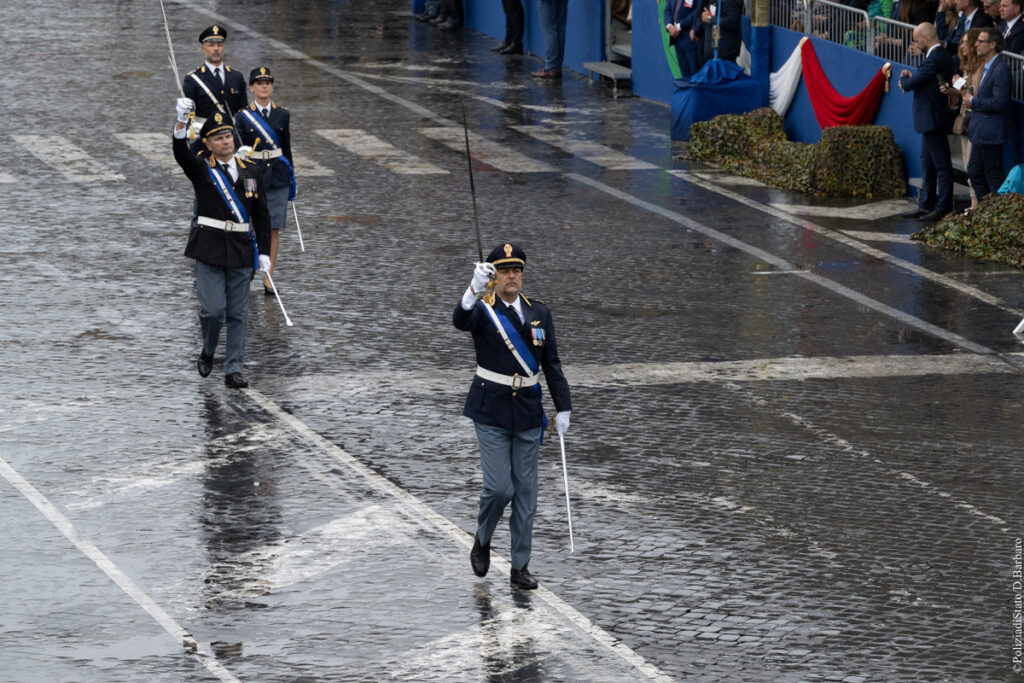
x=509 y=464
x=224 y=297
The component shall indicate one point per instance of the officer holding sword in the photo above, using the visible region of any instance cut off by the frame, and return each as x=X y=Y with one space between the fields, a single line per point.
x=514 y=338
x=230 y=239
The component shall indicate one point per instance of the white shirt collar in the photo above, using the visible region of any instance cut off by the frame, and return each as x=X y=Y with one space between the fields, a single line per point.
x=518 y=305
x=932 y=48
x=971 y=15
x=211 y=67
x=1013 y=21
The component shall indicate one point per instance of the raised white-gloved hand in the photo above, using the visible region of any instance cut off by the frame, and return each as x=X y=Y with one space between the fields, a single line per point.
x=482 y=274
x=264 y=263
x=184 y=106
x=562 y=421
x=244 y=151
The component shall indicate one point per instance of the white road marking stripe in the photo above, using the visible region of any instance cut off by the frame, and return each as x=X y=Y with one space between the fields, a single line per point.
x=7 y=178
x=499 y=156
x=828 y=436
x=154 y=147
x=866 y=236
x=370 y=147
x=601 y=155
x=870 y=211
x=728 y=179
x=602 y=375
x=850 y=242
x=307 y=168
x=419 y=510
x=64 y=525
x=778 y=262
x=59 y=153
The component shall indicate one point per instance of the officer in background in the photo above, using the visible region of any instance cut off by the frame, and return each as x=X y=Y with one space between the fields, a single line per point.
x=214 y=86
x=230 y=238
x=514 y=339
x=263 y=128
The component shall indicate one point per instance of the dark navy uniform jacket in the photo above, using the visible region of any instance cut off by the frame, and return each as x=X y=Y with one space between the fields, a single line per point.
x=502 y=406
x=217 y=247
x=232 y=94
x=275 y=172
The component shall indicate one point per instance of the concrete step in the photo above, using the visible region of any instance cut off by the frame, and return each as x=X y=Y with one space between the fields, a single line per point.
x=614 y=71
x=624 y=50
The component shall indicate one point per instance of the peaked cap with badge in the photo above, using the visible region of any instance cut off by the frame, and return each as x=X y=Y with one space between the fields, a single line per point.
x=260 y=74
x=214 y=34
x=215 y=125
x=507 y=256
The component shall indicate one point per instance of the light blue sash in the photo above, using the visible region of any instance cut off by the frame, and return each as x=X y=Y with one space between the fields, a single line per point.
x=518 y=348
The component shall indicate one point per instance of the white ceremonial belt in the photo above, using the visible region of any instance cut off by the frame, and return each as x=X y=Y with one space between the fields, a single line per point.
x=227 y=226
x=515 y=381
x=266 y=154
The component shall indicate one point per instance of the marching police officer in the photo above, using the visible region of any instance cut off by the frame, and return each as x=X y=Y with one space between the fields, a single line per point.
x=229 y=240
x=264 y=130
x=514 y=339
x=214 y=86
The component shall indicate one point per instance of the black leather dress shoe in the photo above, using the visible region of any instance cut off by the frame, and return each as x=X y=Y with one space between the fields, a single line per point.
x=423 y=16
x=932 y=215
x=480 y=557
x=204 y=364
x=450 y=26
x=512 y=49
x=916 y=213
x=439 y=19
x=522 y=578
x=267 y=291
x=499 y=48
x=235 y=381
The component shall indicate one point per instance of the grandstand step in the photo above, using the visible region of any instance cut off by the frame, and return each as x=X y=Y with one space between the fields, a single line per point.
x=614 y=71
x=624 y=50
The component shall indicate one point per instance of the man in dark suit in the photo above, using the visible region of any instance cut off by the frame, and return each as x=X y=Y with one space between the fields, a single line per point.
x=933 y=121
x=989 y=107
x=678 y=18
x=230 y=239
x=1011 y=27
x=514 y=339
x=971 y=16
x=730 y=37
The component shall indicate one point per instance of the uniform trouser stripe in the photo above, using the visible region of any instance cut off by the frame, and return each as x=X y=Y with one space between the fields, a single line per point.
x=224 y=298
x=509 y=464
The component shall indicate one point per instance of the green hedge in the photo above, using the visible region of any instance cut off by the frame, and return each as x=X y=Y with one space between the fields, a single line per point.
x=850 y=161
x=992 y=232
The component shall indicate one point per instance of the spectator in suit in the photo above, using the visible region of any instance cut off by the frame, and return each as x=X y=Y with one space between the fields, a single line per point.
x=729 y=35
x=514 y=19
x=971 y=16
x=678 y=18
x=932 y=120
x=1011 y=27
x=971 y=68
x=553 y=16
x=991 y=8
x=989 y=107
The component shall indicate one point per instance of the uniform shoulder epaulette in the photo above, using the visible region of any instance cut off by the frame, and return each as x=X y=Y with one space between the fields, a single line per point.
x=252 y=105
x=238 y=160
x=227 y=68
x=530 y=303
x=201 y=69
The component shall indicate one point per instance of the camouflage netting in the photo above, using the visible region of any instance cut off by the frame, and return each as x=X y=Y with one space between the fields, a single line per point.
x=851 y=161
x=992 y=232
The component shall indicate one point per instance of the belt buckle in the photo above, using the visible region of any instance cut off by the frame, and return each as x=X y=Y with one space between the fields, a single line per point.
x=517 y=381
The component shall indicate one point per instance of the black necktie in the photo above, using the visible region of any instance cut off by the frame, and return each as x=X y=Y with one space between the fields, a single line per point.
x=227 y=173
x=510 y=313
x=216 y=72
x=266 y=113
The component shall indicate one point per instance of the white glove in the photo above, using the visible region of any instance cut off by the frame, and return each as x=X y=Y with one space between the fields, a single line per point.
x=482 y=274
x=264 y=263
x=562 y=421
x=184 y=106
x=244 y=151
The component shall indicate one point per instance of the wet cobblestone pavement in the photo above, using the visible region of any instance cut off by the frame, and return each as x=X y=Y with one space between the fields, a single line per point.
x=795 y=452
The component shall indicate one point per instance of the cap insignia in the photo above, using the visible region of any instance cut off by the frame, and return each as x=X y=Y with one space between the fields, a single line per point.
x=216 y=30
x=218 y=118
x=508 y=251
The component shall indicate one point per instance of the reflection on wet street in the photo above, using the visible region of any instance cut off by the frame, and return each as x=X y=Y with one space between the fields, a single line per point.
x=795 y=450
